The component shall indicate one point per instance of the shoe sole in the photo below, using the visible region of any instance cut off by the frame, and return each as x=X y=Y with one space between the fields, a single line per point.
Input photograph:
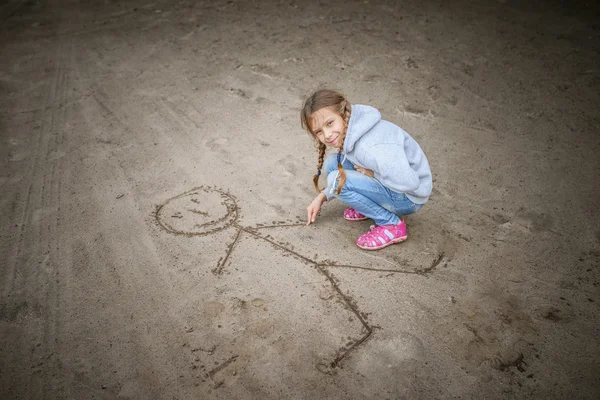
x=356 y=219
x=393 y=241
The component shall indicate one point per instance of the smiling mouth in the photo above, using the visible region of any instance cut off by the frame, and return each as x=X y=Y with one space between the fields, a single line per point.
x=334 y=139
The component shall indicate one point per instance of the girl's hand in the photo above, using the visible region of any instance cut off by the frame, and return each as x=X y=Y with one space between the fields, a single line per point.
x=315 y=207
x=365 y=171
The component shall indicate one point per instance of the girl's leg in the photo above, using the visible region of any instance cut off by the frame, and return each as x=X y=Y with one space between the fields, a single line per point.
x=367 y=196
x=370 y=198
x=330 y=164
x=401 y=205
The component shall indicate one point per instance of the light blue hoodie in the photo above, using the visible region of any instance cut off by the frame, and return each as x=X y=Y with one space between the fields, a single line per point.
x=383 y=147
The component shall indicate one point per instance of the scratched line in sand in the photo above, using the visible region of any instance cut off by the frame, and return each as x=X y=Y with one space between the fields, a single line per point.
x=170 y=217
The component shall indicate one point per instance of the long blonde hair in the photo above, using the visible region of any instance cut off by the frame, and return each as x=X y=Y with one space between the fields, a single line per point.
x=321 y=99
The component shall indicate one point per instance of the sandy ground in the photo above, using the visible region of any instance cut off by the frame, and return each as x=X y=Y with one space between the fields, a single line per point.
x=154 y=178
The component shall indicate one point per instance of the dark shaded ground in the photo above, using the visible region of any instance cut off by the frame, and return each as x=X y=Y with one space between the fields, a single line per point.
x=154 y=175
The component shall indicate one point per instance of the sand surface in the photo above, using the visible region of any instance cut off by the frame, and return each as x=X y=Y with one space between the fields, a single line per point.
x=154 y=180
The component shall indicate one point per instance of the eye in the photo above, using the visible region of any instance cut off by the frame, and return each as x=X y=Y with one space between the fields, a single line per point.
x=330 y=123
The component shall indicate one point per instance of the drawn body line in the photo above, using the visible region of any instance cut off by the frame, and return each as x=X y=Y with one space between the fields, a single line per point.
x=228 y=208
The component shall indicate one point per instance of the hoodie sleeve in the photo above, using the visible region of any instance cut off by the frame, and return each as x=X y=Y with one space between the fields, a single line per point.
x=391 y=167
x=328 y=193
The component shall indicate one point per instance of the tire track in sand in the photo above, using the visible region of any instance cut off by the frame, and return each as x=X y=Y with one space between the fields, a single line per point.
x=32 y=277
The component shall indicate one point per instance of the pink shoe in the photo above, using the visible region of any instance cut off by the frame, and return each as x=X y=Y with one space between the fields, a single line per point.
x=382 y=236
x=352 y=215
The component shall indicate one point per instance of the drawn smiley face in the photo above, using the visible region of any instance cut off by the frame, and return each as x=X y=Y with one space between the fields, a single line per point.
x=198 y=212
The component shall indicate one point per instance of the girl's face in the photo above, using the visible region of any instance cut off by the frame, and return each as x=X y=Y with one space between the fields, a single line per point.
x=327 y=126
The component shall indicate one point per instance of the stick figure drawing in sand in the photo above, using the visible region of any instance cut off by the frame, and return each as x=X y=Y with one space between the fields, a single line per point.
x=379 y=172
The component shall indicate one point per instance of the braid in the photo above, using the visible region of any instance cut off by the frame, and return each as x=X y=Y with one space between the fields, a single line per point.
x=346 y=115
x=322 y=148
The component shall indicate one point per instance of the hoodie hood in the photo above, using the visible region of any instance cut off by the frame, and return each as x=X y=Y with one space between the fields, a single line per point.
x=362 y=119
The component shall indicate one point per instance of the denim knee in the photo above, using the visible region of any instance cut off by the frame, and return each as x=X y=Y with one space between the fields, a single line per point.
x=331 y=178
x=330 y=164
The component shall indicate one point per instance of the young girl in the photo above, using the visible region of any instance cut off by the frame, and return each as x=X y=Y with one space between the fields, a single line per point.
x=379 y=171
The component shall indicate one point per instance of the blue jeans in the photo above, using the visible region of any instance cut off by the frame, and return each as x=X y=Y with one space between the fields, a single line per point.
x=368 y=196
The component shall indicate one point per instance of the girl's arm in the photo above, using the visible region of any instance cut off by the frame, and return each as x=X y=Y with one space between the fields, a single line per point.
x=315 y=207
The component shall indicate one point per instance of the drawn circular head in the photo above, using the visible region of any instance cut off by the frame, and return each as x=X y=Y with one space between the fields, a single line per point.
x=199 y=211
